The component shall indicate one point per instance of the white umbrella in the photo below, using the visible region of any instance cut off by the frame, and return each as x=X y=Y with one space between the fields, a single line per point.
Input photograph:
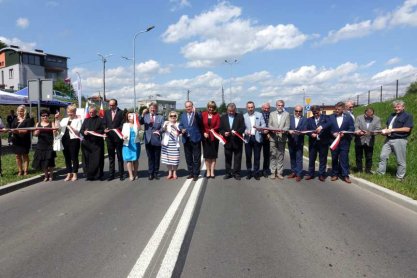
x=10 y=98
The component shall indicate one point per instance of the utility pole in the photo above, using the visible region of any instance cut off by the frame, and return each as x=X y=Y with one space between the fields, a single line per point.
x=222 y=95
x=188 y=95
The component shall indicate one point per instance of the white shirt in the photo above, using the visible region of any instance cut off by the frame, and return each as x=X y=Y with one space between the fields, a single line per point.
x=297 y=120
x=339 y=120
x=252 y=123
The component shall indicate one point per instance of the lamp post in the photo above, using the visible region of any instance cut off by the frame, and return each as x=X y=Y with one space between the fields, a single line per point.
x=134 y=63
x=104 y=60
x=231 y=63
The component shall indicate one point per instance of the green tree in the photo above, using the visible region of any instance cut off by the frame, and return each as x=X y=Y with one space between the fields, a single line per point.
x=412 y=89
x=222 y=108
x=60 y=85
x=2 y=45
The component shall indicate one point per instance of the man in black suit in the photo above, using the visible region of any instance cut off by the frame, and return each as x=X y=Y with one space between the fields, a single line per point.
x=319 y=142
x=113 y=119
x=230 y=122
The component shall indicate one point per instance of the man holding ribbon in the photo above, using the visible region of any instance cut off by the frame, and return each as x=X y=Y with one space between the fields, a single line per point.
x=342 y=127
x=92 y=146
x=191 y=125
x=298 y=123
x=153 y=124
x=113 y=123
x=232 y=126
x=399 y=126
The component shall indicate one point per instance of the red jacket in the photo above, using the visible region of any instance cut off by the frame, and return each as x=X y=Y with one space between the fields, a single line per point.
x=215 y=124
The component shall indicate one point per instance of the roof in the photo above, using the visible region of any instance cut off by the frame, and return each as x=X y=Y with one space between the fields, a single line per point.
x=31 y=52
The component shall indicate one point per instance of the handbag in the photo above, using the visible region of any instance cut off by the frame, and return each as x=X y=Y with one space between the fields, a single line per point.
x=58 y=143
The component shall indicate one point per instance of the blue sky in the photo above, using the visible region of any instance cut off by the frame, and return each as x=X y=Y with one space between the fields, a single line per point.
x=331 y=50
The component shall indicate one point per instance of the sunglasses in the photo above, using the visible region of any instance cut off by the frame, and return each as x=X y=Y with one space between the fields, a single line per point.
x=44 y=116
x=172 y=116
x=299 y=111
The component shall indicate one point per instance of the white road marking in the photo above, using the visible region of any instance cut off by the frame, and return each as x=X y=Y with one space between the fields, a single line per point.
x=145 y=258
x=171 y=256
x=147 y=254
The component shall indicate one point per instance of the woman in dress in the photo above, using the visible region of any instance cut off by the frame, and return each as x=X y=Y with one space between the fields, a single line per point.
x=170 y=152
x=131 y=145
x=21 y=140
x=211 y=120
x=70 y=137
x=44 y=158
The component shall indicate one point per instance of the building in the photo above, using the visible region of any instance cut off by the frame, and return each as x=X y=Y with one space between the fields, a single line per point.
x=164 y=105
x=17 y=66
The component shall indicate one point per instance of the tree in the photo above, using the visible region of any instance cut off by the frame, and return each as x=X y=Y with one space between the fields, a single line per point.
x=412 y=89
x=60 y=85
x=222 y=108
x=2 y=45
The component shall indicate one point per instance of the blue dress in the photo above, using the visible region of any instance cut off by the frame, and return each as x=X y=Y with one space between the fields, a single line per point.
x=131 y=152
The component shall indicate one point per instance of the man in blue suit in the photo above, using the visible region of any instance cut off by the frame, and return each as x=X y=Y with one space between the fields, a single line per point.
x=153 y=130
x=253 y=140
x=318 y=143
x=340 y=156
x=190 y=126
x=296 y=142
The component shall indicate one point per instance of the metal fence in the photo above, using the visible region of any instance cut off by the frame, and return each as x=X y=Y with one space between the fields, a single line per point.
x=385 y=92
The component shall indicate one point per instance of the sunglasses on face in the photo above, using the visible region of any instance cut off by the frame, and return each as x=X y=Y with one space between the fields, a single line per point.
x=172 y=116
x=298 y=111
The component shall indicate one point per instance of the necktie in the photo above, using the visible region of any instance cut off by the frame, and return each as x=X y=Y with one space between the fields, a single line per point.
x=152 y=119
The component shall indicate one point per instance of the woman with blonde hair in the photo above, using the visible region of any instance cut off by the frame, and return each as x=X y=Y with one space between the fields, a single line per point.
x=131 y=145
x=21 y=140
x=170 y=152
x=70 y=137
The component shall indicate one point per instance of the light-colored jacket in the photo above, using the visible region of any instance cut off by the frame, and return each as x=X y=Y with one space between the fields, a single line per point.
x=167 y=132
x=259 y=121
x=360 y=124
x=126 y=134
x=75 y=124
x=284 y=124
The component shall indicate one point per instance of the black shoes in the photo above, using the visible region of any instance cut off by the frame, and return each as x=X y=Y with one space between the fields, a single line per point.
x=237 y=177
x=156 y=176
x=249 y=176
x=257 y=177
x=195 y=178
x=110 y=178
x=227 y=176
x=190 y=177
x=150 y=177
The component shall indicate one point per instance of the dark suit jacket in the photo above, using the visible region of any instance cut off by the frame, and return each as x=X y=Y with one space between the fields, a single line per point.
x=193 y=128
x=232 y=141
x=325 y=134
x=117 y=122
x=347 y=125
x=302 y=124
x=150 y=128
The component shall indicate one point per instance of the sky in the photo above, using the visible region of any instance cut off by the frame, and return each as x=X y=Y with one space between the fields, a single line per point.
x=325 y=50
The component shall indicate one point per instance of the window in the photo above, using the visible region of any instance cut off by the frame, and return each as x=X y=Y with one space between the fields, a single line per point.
x=37 y=60
x=10 y=73
x=25 y=59
x=31 y=59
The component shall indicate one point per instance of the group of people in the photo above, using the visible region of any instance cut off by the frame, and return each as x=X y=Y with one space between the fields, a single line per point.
x=254 y=132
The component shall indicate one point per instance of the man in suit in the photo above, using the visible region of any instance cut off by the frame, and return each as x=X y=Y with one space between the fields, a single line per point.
x=278 y=119
x=232 y=121
x=266 y=110
x=113 y=119
x=153 y=124
x=318 y=143
x=296 y=142
x=364 y=140
x=253 y=140
x=340 y=122
x=190 y=126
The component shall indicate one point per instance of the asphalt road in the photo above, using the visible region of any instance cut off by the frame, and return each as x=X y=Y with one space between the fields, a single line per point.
x=241 y=228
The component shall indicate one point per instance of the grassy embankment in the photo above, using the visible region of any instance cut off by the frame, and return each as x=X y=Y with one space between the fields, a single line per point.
x=407 y=187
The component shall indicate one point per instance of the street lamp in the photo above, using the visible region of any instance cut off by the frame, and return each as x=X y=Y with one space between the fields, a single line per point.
x=231 y=63
x=104 y=60
x=134 y=63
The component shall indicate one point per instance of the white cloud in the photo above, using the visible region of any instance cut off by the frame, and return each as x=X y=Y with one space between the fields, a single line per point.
x=22 y=22
x=405 y=15
x=222 y=29
x=391 y=75
x=18 y=42
x=179 y=4
x=368 y=65
x=393 y=61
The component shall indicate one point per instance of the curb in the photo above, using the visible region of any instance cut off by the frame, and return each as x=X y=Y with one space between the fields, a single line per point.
x=30 y=181
x=381 y=191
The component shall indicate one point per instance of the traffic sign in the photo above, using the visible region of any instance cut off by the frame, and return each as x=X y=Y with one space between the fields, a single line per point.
x=308 y=100
x=307 y=107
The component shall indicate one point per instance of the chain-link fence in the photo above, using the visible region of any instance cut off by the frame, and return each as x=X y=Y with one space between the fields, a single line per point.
x=385 y=92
